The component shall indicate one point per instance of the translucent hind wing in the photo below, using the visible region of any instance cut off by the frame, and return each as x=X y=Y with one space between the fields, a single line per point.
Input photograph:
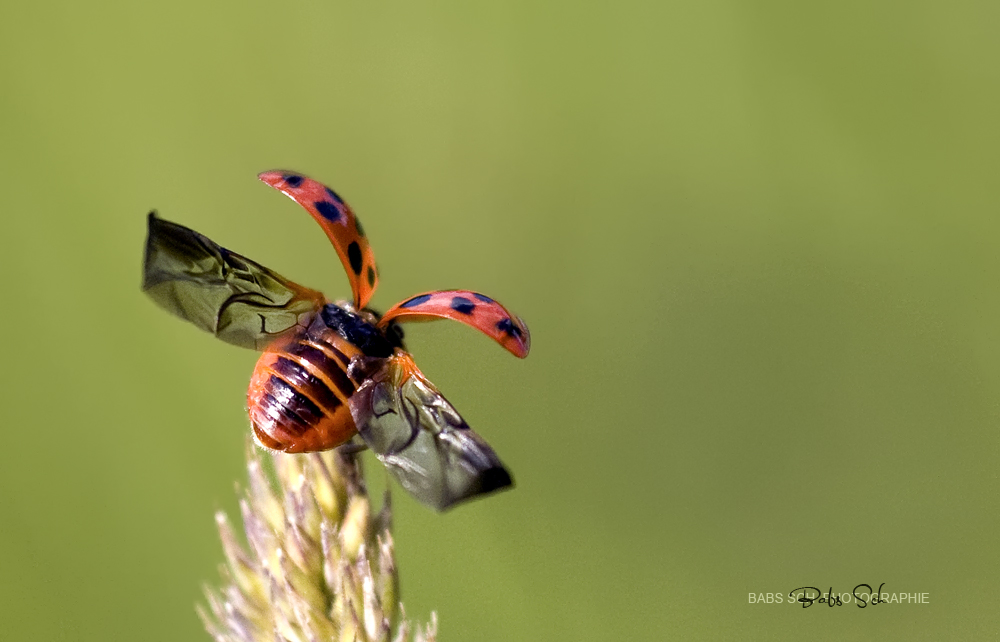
x=422 y=440
x=222 y=292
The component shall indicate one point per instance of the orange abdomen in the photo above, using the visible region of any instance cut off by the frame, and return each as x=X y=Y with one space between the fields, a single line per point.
x=298 y=393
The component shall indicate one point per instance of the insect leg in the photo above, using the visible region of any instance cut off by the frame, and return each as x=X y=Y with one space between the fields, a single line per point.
x=352 y=447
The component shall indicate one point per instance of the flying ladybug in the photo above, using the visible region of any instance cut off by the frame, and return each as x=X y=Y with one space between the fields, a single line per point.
x=330 y=371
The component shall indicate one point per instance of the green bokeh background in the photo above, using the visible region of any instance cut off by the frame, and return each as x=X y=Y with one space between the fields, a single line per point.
x=756 y=243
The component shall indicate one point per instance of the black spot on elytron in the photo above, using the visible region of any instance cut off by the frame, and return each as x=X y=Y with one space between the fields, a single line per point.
x=334 y=196
x=417 y=300
x=508 y=327
x=293 y=179
x=357 y=224
x=463 y=305
x=371 y=276
x=483 y=298
x=354 y=256
x=327 y=210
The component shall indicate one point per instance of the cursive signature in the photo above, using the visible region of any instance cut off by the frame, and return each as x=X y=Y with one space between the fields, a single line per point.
x=809 y=595
x=873 y=598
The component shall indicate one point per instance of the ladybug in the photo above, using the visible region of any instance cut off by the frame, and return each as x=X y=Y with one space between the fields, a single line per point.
x=330 y=371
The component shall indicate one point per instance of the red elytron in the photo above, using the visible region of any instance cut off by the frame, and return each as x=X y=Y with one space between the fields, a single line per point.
x=332 y=370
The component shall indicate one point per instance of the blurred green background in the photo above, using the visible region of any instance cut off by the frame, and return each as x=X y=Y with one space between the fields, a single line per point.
x=756 y=244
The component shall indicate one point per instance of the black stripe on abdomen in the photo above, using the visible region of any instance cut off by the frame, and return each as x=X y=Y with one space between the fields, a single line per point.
x=306 y=384
x=321 y=361
x=282 y=398
x=274 y=416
